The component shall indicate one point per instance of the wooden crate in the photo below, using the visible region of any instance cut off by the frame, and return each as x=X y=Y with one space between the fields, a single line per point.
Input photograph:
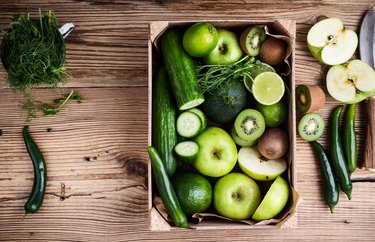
x=289 y=217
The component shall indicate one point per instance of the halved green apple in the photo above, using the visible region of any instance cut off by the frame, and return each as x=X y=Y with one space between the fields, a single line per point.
x=274 y=201
x=259 y=168
x=330 y=42
x=351 y=83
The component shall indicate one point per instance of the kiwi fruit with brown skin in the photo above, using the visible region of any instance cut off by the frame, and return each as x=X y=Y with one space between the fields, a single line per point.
x=273 y=51
x=249 y=124
x=273 y=144
x=309 y=98
x=251 y=39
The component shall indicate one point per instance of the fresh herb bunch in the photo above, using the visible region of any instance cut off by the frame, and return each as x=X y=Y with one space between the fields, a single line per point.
x=34 y=52
x=214 y=77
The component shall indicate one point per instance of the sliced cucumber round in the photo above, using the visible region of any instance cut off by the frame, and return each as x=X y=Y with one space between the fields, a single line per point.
x=188 y=124
x=201 y=115
x=187 y=151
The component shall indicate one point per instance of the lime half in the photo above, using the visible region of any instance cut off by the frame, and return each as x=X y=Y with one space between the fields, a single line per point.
x=260 y=67
x=268 y=88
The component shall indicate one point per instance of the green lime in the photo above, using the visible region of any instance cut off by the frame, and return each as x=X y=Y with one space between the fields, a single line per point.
x=200 y=39
x=268 y=88
x=194 y=192
x=275 y=114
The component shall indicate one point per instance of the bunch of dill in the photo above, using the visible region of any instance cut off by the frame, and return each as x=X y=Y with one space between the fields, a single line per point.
x=33 y=52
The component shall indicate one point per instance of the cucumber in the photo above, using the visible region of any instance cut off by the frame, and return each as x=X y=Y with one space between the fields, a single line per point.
x=188 y=124
x=202 y=116
x=164 y=135
x=187 y=151
x=181 y=70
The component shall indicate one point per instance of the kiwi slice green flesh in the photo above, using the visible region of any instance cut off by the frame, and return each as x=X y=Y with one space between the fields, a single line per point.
x=239 y=141
x=249 y=124
x=311 y=126
x=251 y=40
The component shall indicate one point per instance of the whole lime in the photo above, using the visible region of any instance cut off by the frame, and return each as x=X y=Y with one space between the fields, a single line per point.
x=194 y=192
x=200 y=39
x=275 y=114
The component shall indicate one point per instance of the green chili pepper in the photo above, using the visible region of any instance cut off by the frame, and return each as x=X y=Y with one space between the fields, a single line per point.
x=349 y=138
x=330 y=188
x=40 y=173
x=337 y=154
x=166 y=190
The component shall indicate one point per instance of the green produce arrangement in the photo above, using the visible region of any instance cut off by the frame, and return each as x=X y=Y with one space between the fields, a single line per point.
x=32 y=53
x=219 y=132
x=348 y=81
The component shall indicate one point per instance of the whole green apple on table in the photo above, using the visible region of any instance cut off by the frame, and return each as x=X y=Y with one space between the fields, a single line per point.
x=216 y=128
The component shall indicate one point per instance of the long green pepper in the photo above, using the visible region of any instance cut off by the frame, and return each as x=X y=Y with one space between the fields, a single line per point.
x=166 y=190
x=330 y=187
x=337 y=154
x=349 y=138
x=40 y=173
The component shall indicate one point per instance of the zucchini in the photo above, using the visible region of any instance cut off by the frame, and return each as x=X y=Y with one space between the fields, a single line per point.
x=187 y=151
x=188 y=124
x=164 y=136
x=181 y=70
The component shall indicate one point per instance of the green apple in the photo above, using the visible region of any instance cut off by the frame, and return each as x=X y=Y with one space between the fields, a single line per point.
x=352 y=83
x=274 y=201
x=330 y=42
x=217 y=153
x=227 y=50
x=259 y=168
x=236 y=196
x=200 y=39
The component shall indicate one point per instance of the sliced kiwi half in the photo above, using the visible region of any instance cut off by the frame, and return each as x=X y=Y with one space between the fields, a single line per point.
x=249 y=124
x=309 y=98
x=239 y=141
x=251 y=39
x=311 y=126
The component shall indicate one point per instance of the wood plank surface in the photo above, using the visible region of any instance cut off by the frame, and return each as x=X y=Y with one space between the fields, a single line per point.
x=96 y=151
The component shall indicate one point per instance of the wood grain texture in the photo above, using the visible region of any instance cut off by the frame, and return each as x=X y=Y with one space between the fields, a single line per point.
x=96 y=151
x=369 y=151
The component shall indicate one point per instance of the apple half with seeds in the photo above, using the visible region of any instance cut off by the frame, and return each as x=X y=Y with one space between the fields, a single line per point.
x=351 y=83
x=258 y=167
x=330 y=42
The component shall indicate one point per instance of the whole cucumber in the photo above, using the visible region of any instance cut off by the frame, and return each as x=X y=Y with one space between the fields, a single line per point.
x=181 y=70
x=164 y=111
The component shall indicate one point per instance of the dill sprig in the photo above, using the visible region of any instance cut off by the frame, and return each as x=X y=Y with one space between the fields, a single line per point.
x=214 y=77
x=36 y=108
x=34 y=52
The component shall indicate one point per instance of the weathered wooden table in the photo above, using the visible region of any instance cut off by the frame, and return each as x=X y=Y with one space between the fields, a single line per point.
x=96 y=151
